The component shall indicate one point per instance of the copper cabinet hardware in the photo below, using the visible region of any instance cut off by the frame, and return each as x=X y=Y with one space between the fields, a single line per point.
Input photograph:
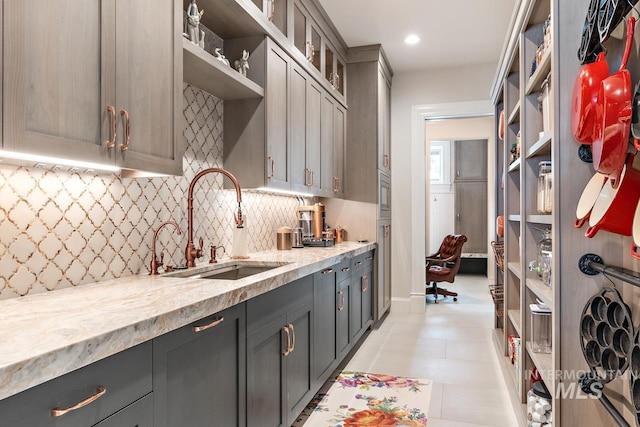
x=359 y=263
x=288 y=349
x=335 y=184
x=386 y=161
x=306 y=177
x=311 y=177
x=369 y=258
x=341 y=307
x=327 y=271
x=216 y=322
x=311 y=51
x=125 y=145
x=293 y=337
x=346 y=269
x=58 y=412
x=386 y=231
x=112 y=112
x=273 y=163
x=365 y=280
x=273 y=10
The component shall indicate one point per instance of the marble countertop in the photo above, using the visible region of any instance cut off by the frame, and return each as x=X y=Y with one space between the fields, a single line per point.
x=44 y=336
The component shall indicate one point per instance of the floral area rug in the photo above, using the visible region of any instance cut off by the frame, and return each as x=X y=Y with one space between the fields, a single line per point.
x=358 y=399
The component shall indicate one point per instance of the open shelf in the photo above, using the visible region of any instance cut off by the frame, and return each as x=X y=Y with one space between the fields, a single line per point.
x=514 y=218
x=540 y=219
x=515 y=165
x=542 y=71
x=205 y=72
x=514 y=317
x=231 y=18
x=542 y=291
x=541 y=147
x=514 y=267
x=544 y=363
x=515 y=114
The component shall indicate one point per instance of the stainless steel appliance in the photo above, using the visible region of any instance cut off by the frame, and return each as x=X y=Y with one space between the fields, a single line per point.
x=312 y=221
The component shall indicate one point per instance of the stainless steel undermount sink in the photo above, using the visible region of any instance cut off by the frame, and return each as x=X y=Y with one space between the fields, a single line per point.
x=232 y=271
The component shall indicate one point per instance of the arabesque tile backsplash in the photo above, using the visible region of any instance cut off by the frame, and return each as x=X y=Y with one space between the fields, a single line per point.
x=59 y=229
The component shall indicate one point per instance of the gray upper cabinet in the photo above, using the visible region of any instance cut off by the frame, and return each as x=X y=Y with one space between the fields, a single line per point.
x=276 y=12
x=76 y=85
x=328 y=155
x=339 y=152
x=368 y=134
x=470 y=160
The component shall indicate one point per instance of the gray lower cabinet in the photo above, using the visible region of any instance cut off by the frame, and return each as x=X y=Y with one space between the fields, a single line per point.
x=382 y=296
x=138 y=414
x=104 y=387
x=361 y=312
x=343 y=323
x=112 y=95
x=279 y=354
x=199 y=372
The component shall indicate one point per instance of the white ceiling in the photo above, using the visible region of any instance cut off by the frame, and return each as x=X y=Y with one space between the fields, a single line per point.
x=453 y=33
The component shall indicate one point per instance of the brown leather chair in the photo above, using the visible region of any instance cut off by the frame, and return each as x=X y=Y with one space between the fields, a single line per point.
x=444 y=265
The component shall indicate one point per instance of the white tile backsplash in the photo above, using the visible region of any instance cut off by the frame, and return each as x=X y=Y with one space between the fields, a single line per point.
x=59 y=230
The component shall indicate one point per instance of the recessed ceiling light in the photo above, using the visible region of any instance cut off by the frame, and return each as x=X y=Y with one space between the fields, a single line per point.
x=412 y=39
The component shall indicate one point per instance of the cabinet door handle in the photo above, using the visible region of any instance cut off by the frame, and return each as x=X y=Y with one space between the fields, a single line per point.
x=311 y=51
x=293 y=338
x=100 y=391
x=311 y=177
x=327 y=271
x=273 y=164
x=216 y=321
x=112 y=113
x=288 y=349
x=341 y=307
x=386 y=231
x=125 y=115
x=336 y=180
x=346 y=269
x=359 y=263
x=365 y=281
x=386 y=161
x=369 y=258
x=273 y=10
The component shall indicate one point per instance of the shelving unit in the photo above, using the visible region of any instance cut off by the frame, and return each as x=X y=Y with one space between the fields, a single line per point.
x=204 y=71
x=519 y=92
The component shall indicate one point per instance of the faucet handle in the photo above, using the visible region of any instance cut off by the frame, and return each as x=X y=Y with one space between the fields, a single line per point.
x=199 y=250
x=161 y=263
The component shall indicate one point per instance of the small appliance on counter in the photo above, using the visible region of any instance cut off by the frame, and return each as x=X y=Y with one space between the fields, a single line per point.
x=283 y=238
x=312 y=222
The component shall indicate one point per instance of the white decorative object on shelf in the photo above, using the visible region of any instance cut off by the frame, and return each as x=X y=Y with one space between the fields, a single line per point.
x=242 y=64
x=220 y=57
x=192 y=24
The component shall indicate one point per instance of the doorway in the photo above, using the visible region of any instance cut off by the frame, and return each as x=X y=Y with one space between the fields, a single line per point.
x=457 y=187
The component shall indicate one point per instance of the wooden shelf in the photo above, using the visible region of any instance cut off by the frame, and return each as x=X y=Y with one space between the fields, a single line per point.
x=514 y=267
x=514 y=115
x=515 y=165
x=542 y=71
x=514 y=317
x=232 y=18
x=544 y=363
x=205 y=72
x=514 y=218
x=540 y=219
x=542 y=291
x=541 y=147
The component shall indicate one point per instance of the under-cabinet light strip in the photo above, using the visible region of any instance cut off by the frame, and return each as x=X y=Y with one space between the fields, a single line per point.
x=283 y=192
x=52 y=162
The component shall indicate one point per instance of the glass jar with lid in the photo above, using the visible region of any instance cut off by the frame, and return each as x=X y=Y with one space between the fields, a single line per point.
x=538 y=405
x=544 y=256
x=544 y=202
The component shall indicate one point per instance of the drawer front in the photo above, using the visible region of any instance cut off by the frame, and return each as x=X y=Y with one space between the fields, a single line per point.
x=361 y=261
x=343 y=270
x=265 y=308
x=125 y=378
x=138 y=414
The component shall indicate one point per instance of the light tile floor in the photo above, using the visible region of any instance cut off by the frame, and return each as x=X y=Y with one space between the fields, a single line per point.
x=452 y=344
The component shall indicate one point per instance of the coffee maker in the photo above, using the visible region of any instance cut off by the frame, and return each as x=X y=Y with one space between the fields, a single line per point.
x=311 y=219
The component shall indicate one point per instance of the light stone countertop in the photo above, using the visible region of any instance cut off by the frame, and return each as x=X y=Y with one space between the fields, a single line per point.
x=44 y=336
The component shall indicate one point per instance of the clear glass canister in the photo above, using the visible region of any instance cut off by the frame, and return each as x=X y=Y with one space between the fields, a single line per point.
x=545 y=188
x=544 y=256
x=538 y=405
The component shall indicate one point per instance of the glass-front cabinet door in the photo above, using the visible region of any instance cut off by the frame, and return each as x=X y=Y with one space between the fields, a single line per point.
x=276 y=13
x=300 y=30
x=315 y=45
x=329 y=64
x=340 y=81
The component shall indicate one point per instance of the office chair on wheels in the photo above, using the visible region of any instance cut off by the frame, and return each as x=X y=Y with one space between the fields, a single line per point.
x=444 y=265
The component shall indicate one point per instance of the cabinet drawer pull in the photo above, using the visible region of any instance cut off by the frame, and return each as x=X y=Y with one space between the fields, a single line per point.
x=215 y=322
x=369 y=258
x=344 y=270
x=273 y=165
x=335 y=184
x=288 y=350
x=125 y=145
x=327 y=271
x=359 y=263
x=112 y=113
x=365 y=281
x=100 y=391
x=293 y=338
x=341 y=307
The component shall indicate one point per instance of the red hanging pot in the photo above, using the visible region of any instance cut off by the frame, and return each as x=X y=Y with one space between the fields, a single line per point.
x=614 y=111
x=585 y=98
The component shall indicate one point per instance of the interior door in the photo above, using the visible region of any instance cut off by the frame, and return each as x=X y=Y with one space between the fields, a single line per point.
x=470 y=159
x=471 y=215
